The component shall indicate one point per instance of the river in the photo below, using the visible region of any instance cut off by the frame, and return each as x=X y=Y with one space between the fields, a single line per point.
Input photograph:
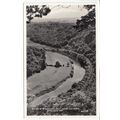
x=52 y=75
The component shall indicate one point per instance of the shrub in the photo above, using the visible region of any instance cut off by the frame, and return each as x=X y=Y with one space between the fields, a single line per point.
x=75 y=85
x=57 y=64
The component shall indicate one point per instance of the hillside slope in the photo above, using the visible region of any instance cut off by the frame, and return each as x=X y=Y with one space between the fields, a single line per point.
x=80 y=46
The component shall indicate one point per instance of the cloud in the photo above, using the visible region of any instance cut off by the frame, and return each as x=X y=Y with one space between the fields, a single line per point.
x=72 y=12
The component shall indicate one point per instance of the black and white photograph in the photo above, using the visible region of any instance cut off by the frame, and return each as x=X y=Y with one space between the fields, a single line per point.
x=60 y=59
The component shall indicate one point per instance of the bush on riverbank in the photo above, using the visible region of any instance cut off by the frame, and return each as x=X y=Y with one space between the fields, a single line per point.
x=57 y=64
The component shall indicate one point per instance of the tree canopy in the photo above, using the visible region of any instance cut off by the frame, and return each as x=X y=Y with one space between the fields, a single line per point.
x=87 y=20
x=33 y=11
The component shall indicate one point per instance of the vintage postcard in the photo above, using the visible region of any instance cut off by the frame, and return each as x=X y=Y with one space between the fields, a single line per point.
x=60 y=59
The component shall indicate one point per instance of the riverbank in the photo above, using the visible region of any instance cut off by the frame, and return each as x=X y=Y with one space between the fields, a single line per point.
x=50 y=78
x=63 y=87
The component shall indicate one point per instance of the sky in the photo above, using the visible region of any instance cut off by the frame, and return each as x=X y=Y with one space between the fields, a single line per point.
x=67 y=13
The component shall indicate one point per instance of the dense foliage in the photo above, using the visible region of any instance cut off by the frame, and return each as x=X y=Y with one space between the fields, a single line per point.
x=88 y=20
x=52 y=34
x=35 y=60
x=36 y=11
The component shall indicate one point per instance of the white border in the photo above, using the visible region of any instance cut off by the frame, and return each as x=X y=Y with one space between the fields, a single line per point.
x=70 y=2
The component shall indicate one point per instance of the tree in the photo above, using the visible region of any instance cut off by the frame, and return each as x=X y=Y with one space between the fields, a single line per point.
x=33 y=11
x=88 y=7
x=75 y=85
x=87 y=20
x=43 y=65
x=57 y=64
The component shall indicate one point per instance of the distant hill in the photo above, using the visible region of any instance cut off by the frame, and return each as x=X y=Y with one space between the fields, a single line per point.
x=60 y=20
